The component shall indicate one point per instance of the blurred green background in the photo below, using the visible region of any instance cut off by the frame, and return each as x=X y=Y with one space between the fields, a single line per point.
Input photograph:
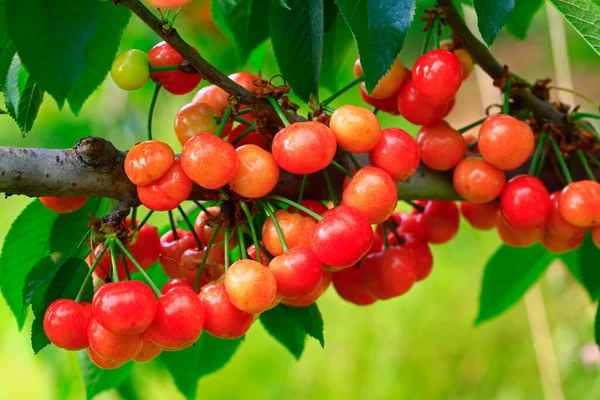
x=420 y=346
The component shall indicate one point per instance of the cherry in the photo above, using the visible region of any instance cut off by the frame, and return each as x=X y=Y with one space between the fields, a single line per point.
x=131 y=69
x=342 y=237
x=437 y=76
x=388 y=274
x=441 y=146
x=206 y=152
x=257 y=172
x=387 y=104
x=416 y=110
x=296 y=231
x=557 y=225
x=124 y=308
x=176 y=81
x=194 y=118
x=313 y=205
x=146 y=162
x=304 y=147
x=580 y=203
x=377 y=244
x=173 y=283
x=148 y=352
x=145 y=246
x=113 y=347
x=178 y=321
x=264 y=259
x=204 y=228
x=356 y=129
x=466 y=61
x=213 y=267
x=214 y=96
x=421 y=253
x=525 y=203
x=101 y=362
x=516 y=238
x=438 y=223
x=253 y=137
x=64 y=204
x=480 y=216
x=168 y=3
x=505 y=142
x=245 y=80
x=251 y=287
x=171 y=250
x=373 y=192
x=397 y=153
x=407 y=223
x=167 y=192
x=221 y=318
x=558 y=245
x=66 y=322
x=390 y=83
x=298 y=272
x=349 y=285
x=478 y=181
x=103 y=269
x=307 y=300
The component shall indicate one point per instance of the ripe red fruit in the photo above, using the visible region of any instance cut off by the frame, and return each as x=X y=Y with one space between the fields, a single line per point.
x=113 y=347
x=480 y=216
x=478 y=181
x=145 y=245
x=171 y=250
x=516 y=238
x=298 y=272
x=245 y=80
x=580 y=203
x=214 y=96
x=148 y=352
x=505 y=142
x=356 y=129
x=173 y=283
x=253 y=137
x=176 y=81
x=213 y=267
x=307 y=300
x=194 y=118
x=312 y=205
x=437 y=76
x=205 y=227
x=66 y=322
x=256 y=174
x=101 y=362
x=525 y=203
x=251 y=287
x=407 y=223
x=416 y=110
x=373 y=192
x=207 y=152
x=438 y=223
x=124 y=308
x=168 y=3
x=558 y=245
x=221 y=318
x=169 y=191
x=390 y=83
x=304 y=147
x=421 y=254
x=264 y=258
x=388 y=274
x=178 y=321
x=63 y=204
x=397 y=153
x=341 y=238
x=349 y=285
x=387 y=104
x=559 y=226
x=147 y=161
x=441 y=147
x=296 y=231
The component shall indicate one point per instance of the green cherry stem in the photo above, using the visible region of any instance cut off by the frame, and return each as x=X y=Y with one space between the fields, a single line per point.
x=538 y=152
x=247 y=131
x=414 y=205
x=113 y=261
x=301 y=192
x=585 y=164
x=190 y=227
x=354 y=160
x=594 y=160
x=375 y=110
x=205 y=256
x=175 y=16
x=342 y=168
x=242 y=242
x=269 y=212
x=242 y=121
x=294 y=204
x=226 y=248
x=85 y=236
x=126 y=266
x=506 y=106
x=133 y=217
x=472 y=125
x=428 y=37
x=246 y=210
x=91 y=271
x=223 y=121
x=173 y=226
x=436 y=34
x=244 y=111
x=343 y=90
x=203 y=207
x=151 y=111
x=561 y=161
x=159 y=68
x=139 y=268
x=386 y=243
x=542 y=162
x=143 y=222
x=394 y=232
x=278 y=109
x=578 y=115
x=329 y=187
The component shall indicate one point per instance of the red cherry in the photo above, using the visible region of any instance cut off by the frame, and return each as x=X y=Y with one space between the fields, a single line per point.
x=387 y=104
x=307 y=300
x=463 y=56
x=148 y=161
x=421 y=253
x=213 y=267
x=64 y=204
x=206 y=152
x=178 y=321
x=397 y=153
x=441 y=147
x=101 y=362
x=349 y=285
x=145 y=247
x=356 y=129
x=149 y=351
x=194 y=118
x=221 y=318
x=296 y=231
x=176 y=81
x=256 y=174
x=264 y=259
x=388 y=274
x=168 y=3
x=480 y=216
x=416 y=110
x=113 y=347
x=558 y=245
x=525 y=203
x=580 y=203
x=516 y=238
x=171 y=250
x=168 y=191
x=505 y=142
x=478 y=181
x=312 y=205
x=373 y=192
x=304 y=147
x=253 y=137
x=251 y=287
x=559 y=226
x=437 y=76
x=407 y=223
x=205 y=227
x=438 y=222
x=66 y=322
x=341 y=238
x=174 y=283
x=103 y=269
x=298 y=272
x=245 y=80
x=390 y=83
x=214 y=96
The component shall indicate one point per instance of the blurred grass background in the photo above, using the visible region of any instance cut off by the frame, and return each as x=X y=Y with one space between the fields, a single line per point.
x=420 y=346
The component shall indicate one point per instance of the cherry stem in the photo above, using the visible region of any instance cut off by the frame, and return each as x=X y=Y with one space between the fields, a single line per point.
x=246 y=132
x=143 y=222
x=342 y=168
x=329 y=187
x=301 y=192
x=343 y=90
x=158 y=68
x=538 y=152
x=126 y=266
x=133 y=218
x=267 y=208
x=561 y=161
x=473 y=125
x=436 y=34
x=114 y=262
x=139 y=268
x=226 y=248
x=472 y=145
x=205 y=256
x=428 y=37
x=242 y=121
x=278 y=110
x=375 y=110
x=585 y=164
x=242 y=244
x=244 y=111
x=414 y=205
x=594 y=160
x=175 y=16
x=576 y=93
x=223 y=121
x=297 y=205
x=173 y=226
x=393 y=230
x=328 y=109
x=354 y=160
x=202 y=207
x=85 y=236
x=190 y=227
x=246 y=210
x=506 y=106
x=151 y=111
x=542 y=163
x=386 y=243
x=90 y=272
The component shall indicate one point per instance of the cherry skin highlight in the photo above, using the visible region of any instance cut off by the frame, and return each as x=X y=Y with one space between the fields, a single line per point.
x=251 y=287
x=557 y=225
x=397 y=153
x=206 y=152
x=525 y=203
x=245 y=80
x=256 y=174
x=505 y=142
x=437 y=76
x=169 y=191
x=580 y=203
x=356 y=129
x=64 y=204
x=349 y=285
x=298 y=272
x=441 y=147
x=221 y=318
x=373 y=192
x=148 y=161
x=66 y=322
x=173 y=283
x=478 y=181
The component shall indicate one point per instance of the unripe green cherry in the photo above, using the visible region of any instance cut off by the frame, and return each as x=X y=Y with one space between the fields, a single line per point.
x=131 y=69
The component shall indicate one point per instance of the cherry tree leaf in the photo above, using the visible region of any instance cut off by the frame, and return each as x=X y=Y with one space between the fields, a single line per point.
x=491 y=17
x=584 y=17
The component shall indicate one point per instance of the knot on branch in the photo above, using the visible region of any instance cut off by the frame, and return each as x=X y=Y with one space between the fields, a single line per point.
x=97 y=153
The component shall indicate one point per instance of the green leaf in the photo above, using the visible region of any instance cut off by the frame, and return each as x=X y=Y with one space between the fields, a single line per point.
x=491 y=17
x=7 y=50
x=100 y=53
x=330 y=13
x=206 y=356
x=52 y=38
x=297 y=39
x=520 y=18
x=284 y=328
x=23 y=96
x=337 y=43
x=508 y=275
x=379 y=28
x=310 y=319
x=584 y=17
x=587 y=256
x=41 y=273
x=98 y=380
x=39 y=340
